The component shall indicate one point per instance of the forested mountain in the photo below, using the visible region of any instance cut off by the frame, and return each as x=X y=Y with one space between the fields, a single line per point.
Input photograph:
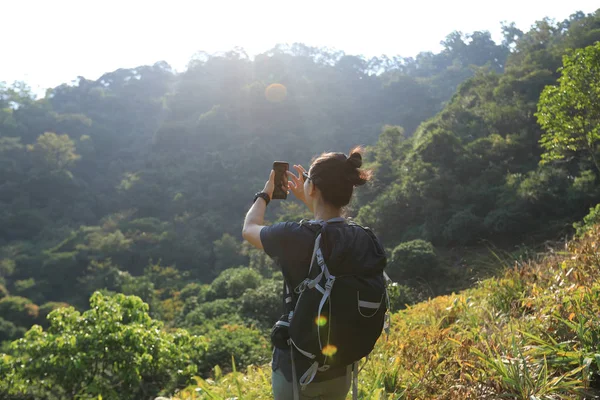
x=137 y=183
x=471 y=172
x=146 y=163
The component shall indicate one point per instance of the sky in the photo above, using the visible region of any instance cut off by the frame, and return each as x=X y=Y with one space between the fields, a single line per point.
x=47 y=43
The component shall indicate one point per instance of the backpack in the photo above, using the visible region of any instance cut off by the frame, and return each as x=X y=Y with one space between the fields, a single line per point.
x=336 y=320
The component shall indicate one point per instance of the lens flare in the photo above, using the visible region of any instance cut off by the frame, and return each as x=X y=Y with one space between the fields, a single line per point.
x=276 y=92
x=321 y=321
x=329 y=350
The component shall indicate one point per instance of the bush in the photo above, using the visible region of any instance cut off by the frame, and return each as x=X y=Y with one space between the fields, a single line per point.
x=114 y=350
x=246 y=345
x=233 y=282
x=463 y=227
x=401 y=296
x=589 y=220
x=263 y=304
x=220 y=308
x=194 y=289
x=414 y=260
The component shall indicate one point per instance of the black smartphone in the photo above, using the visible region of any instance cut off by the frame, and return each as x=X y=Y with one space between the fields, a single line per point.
x=281 y=179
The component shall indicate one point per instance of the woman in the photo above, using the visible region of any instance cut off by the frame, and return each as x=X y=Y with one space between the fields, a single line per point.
x=325 y=189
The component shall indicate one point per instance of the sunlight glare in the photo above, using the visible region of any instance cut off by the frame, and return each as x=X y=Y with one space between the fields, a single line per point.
x=321 y=321
x=329 y=350
x=276 y=92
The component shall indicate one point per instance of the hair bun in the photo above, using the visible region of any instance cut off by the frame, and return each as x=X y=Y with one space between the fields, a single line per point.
x=355 y=159
x=356 y=175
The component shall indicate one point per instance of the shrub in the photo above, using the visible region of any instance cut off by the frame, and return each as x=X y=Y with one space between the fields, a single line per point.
x=588 y=222
x=114 y=350
x=234 y=281
x=463 y=227
x=414 y=260
x=246 y=345
x=211 y=310
x=401 y=296
x=263 y=304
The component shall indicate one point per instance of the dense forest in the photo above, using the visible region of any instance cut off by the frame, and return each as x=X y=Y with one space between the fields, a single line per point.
x=137 y=184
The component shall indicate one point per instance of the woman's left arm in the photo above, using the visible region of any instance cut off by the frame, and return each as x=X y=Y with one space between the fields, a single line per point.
x=255 y=219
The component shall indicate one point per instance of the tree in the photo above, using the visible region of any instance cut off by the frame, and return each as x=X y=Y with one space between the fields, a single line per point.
x=57 y=152
x=114 y=350
x=570 y=111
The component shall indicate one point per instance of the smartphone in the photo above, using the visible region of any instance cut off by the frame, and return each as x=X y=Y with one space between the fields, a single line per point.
x=281 y=179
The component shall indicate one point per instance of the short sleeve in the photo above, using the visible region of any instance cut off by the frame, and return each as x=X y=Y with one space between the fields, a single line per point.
x=276 y=239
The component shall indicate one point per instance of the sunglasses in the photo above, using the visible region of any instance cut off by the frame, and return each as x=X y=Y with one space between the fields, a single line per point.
x=305 y=177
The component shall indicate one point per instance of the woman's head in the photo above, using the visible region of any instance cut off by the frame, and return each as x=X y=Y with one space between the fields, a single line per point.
x=335 y=175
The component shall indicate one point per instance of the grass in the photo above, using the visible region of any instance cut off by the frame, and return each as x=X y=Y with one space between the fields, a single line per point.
x=532 y=333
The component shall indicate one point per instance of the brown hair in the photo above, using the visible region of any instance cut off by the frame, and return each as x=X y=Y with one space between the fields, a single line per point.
x=336 y=175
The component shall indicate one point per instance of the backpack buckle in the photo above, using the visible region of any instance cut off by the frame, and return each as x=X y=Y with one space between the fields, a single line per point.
x=302 y=286
x=329 y=282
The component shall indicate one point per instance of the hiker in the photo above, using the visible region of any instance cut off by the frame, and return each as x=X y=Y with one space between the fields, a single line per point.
x=342 y=249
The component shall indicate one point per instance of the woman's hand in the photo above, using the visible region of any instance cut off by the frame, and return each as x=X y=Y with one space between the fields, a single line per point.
x=296 y=184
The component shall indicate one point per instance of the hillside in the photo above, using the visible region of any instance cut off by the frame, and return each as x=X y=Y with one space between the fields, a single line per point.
x=122 y=198
x=532 y=333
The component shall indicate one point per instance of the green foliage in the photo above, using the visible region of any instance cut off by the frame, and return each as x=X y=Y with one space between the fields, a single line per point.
x=9 y=331
x=472 y=172
x=414 y=260
x=233 y=282
x=221 y=309
x=142 y=287
x=19 y=310
x=263 y=303
x=24 y=287
x=463 y=227
x=194 y=289
x=589 y=221
x=246 y=346
x=3 y=292
x=401 y=296
x=56 y=151
x=166 y=280
x=228 y=253
x=114 y=350
x=45 y=310
x=150 y=164
x=570 y=111
x=7 y=267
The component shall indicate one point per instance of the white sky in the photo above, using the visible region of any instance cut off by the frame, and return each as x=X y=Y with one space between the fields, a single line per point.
x=49 y=42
